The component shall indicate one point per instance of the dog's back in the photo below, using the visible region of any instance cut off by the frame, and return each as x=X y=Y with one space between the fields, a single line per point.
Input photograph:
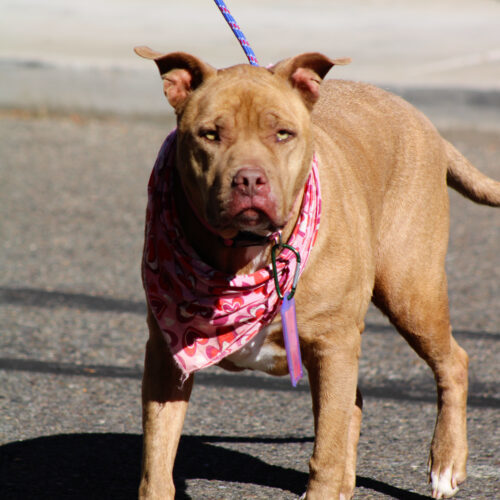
x=382 y=131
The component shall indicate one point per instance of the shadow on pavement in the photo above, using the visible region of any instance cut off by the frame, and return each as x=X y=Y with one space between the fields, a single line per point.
x=83 y=466
x=416 y=391
x=53 y=299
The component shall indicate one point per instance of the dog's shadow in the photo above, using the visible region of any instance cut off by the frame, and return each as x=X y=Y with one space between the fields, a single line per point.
x=95 y=466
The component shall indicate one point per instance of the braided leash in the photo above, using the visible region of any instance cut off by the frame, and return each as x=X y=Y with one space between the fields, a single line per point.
x=237 y=32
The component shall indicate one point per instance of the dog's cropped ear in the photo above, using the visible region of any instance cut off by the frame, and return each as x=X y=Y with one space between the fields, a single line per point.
x=181 y=74
x=306 y=72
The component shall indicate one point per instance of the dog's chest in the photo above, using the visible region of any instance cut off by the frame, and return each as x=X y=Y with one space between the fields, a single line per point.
x=261 y=353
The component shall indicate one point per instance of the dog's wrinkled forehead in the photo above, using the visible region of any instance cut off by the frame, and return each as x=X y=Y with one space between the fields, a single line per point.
x=245 y=96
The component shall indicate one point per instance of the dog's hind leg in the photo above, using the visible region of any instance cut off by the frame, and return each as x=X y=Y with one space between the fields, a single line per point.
x=412 y=291
x=431 y=338
x=164 y=404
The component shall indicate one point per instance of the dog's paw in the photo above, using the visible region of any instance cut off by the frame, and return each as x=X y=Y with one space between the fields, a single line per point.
x=447 y=465
x=444 y=484
x=304 y=496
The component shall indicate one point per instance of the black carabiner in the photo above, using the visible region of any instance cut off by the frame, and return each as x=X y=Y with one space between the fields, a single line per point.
x=278 y=246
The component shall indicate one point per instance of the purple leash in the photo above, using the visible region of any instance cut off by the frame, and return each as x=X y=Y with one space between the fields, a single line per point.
x=237 y=32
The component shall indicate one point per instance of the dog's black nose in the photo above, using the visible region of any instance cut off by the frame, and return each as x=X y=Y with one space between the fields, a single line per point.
x=250 y=181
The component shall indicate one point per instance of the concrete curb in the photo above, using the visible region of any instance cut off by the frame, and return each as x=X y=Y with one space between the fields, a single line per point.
x=45 y=87
x=454 y=106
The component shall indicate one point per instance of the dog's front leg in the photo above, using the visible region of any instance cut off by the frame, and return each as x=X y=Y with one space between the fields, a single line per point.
x=164 y=405
x=333 y=369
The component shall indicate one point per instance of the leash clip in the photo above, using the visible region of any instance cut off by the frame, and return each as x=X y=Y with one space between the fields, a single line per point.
x=278 y=245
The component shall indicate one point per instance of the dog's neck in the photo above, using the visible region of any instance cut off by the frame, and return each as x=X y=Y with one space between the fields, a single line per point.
x=211 y=248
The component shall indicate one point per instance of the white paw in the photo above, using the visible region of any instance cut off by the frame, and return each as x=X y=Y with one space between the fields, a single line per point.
x=444 y=485
x=303 y=497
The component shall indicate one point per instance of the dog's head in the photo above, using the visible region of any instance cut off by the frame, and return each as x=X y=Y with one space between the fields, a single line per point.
x=244 y=136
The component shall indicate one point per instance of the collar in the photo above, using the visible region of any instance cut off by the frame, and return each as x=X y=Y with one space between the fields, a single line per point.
x=205 y=314
x=248 y=239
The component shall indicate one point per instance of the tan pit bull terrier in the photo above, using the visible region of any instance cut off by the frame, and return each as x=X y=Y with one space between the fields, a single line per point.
x=246 y=139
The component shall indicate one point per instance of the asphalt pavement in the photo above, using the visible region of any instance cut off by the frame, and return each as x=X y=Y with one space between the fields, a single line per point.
x=73 y=333
x=81 y=122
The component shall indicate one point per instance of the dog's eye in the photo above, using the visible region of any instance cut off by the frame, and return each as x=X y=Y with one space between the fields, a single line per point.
x=210 y=135
x=284 y=135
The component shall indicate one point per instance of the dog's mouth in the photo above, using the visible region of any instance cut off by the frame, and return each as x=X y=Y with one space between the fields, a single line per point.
x=253 y=219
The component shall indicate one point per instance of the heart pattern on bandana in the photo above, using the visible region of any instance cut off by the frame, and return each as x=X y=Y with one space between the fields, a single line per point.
x=204 y=314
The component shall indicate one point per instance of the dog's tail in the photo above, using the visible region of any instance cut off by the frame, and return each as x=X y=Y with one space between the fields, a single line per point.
x=469 y=181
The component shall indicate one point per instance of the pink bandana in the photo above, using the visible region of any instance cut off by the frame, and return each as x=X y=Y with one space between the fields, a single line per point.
x=204 y=314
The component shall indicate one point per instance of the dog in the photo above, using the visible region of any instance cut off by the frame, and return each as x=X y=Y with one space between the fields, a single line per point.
x=247 y=142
